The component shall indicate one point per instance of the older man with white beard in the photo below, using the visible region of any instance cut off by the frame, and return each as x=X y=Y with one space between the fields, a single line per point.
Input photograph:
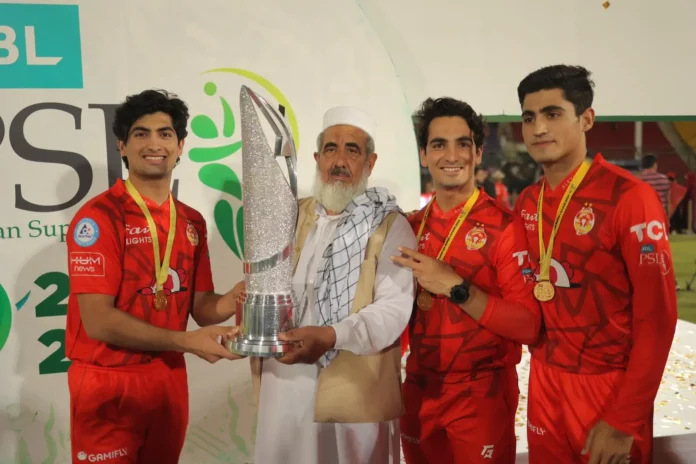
x=336 y=398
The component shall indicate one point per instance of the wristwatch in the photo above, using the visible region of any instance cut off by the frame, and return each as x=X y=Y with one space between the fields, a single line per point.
x=459 y=293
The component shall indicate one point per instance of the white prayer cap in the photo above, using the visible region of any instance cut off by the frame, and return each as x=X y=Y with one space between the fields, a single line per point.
x=350 y=116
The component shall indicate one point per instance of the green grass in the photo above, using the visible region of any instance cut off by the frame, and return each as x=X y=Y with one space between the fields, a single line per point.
x=684 y=257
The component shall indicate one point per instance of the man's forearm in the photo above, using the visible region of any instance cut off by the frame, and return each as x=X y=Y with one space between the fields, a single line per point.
x=121 y=329
x=212 y=309
x=475 y=306
x=509 y=319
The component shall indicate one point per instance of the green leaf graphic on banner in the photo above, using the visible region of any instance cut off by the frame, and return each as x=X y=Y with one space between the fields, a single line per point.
x=5 y=317
x=229 y=124
x=204 y=127
x=208 y=442
x=271 y=89
x=207 y=154
x=61 y=437
x=234 y=422
x=23 y=456
x=221 y=178
x=51 y=448
x=224 y=220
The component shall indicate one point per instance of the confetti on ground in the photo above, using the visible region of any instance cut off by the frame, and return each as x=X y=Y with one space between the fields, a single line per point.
x=676 y=399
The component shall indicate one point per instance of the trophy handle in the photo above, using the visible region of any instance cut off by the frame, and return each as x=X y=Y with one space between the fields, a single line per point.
x=284 y=141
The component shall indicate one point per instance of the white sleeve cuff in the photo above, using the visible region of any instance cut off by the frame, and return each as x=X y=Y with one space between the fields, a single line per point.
x=342 y=330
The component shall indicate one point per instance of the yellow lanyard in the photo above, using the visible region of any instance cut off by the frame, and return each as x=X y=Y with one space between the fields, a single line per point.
x=457 y=224
x=161 y=269
x=546 y=252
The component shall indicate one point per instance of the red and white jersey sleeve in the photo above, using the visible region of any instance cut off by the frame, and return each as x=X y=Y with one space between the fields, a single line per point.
x=203 y=270
x=641 y=227
x=95 y=260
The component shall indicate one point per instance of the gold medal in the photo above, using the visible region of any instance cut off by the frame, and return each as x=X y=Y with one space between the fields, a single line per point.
x=160 y=301
x=544 y=291
x=161 y=267
x=424 y=301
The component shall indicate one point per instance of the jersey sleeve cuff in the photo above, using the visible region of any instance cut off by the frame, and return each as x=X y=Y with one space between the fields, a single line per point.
x=488 y=311
x=622 y=425
x=92 y=290
x=205 y=288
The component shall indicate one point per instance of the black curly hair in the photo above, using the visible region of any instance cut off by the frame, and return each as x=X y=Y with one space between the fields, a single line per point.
x=150 y=102
x=574 y=81
x=447 y=107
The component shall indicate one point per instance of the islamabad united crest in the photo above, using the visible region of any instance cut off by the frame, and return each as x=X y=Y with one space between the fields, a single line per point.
x=192 y=234
x=584 y=221
x=476 y=238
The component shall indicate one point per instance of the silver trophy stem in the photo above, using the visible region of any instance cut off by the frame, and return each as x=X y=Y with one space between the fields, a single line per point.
x=270 y=219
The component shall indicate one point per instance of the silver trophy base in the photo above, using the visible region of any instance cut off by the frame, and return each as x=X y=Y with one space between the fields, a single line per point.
x=259 y=348
x=261 y=317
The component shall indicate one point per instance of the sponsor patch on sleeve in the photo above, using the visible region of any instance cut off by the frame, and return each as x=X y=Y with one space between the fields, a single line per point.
x=86 y=232
x=87 y=264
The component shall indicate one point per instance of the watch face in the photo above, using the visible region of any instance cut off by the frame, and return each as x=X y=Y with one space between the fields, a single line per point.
x=460 y=294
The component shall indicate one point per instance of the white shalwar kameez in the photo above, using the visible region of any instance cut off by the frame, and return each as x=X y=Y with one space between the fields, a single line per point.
x=286 y=432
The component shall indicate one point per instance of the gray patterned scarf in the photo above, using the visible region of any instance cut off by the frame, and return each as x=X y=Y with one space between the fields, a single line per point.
x=338 y=270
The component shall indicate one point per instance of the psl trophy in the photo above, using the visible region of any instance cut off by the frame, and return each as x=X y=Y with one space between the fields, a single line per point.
x=270 y=219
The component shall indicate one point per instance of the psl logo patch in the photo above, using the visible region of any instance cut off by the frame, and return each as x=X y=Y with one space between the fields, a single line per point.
x=585 y=220
x=476 y=238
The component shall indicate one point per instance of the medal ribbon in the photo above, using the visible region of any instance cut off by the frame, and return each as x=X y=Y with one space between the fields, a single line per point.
x=546 y=252
x=161 y=269
x=457 y=224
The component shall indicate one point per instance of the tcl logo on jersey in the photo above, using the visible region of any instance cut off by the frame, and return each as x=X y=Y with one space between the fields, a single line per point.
x=83 y=263
x=655 y=230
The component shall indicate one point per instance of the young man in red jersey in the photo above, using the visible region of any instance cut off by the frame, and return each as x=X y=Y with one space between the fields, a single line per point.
x=474 y=306
x=138 y=265
x=598 y=248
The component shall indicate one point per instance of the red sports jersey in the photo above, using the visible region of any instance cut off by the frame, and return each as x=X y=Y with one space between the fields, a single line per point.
x=110 y=252
x=615 y=306
x=445 y=341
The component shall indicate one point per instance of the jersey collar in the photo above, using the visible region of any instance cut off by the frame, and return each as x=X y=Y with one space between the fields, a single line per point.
x=435 y=210
x=563 y=186
x=120 y=189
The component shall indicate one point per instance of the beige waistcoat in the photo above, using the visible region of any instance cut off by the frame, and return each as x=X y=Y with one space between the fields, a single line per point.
x=352 y=389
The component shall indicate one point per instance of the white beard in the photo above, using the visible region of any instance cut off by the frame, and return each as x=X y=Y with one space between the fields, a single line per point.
x=335 y=196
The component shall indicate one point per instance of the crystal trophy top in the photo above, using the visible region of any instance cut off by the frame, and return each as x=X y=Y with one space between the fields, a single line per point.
x=270 y=221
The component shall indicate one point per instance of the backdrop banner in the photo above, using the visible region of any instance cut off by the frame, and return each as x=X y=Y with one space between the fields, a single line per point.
x=65 y=66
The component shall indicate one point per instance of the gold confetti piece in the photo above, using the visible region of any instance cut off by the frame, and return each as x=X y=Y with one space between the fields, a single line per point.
x=606 y=5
